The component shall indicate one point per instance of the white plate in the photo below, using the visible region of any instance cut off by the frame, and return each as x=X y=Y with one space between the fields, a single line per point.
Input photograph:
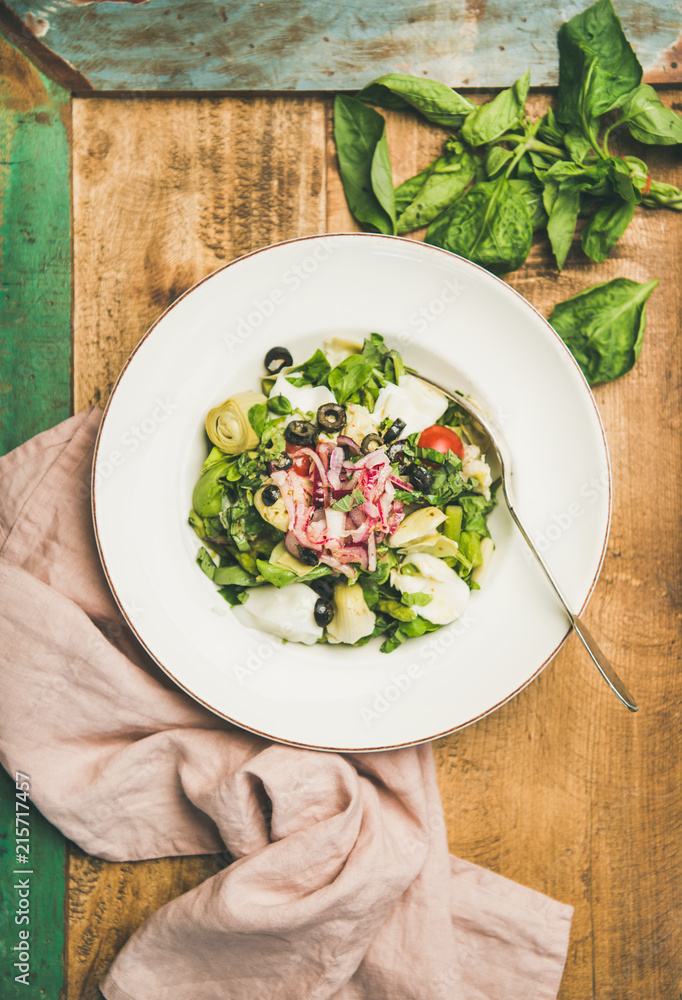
x=452 y=321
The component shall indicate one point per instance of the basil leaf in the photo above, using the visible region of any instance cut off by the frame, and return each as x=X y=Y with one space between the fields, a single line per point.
x=314 y=371
x=406 y=192
x=258 y=414
x=563 y=216
x=606 y=227
x=364 y=163
x=449 y=176
x=435 y=101
x=597 y=65
x=279 y=405
x=619 y=175
x=578 y=145
x=496 y=159
x=549 y=129
x=205 y=563
x=531 y=192
x=663 y=196
x=488 y=122
x=349 y=501
x=603 y=327
x=649 y=120
x=349 y=375
x=488 y=225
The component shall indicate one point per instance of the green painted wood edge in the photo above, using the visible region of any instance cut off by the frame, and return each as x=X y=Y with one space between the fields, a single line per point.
x=35 y=251
x=35 y=351
x=43 y=890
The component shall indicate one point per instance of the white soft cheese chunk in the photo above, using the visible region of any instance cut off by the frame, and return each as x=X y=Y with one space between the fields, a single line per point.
x=306 y=398
x=286 y=612
x=419 y=405
x=449 y=593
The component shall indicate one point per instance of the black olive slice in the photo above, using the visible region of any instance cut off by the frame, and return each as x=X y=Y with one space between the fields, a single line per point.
x=396 y=450
x=370 y=442
x=394 y=431
x=301 y=433
x=276 y=359
x=282 y=463
x=331 y=417
x=420 y=477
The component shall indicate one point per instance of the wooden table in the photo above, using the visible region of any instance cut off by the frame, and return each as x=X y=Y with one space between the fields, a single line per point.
x=562 y=789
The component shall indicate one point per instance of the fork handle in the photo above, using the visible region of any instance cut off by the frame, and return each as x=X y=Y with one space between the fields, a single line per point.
x=589 y=642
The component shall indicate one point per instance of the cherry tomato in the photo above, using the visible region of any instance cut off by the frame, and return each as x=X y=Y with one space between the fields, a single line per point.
x=441 y=439
x=301 y=463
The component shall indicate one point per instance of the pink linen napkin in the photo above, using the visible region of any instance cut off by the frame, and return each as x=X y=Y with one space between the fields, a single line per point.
x=341 y=886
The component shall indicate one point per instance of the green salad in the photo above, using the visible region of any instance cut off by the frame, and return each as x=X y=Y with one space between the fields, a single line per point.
x=345 y=500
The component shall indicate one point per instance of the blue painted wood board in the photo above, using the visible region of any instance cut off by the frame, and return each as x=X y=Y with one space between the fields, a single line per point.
x=190 y=45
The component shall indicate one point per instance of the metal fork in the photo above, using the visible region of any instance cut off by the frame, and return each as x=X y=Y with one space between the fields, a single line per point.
x=501 y=450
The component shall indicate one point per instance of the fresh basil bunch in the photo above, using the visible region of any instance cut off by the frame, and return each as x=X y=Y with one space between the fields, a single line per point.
x=502 y=176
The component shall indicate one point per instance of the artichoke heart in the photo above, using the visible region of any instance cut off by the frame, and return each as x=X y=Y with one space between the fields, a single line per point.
x=416 y=526
x=276 y=514
x=352 y=618
x=228 y=425
x=281 y=557
x=435 y=545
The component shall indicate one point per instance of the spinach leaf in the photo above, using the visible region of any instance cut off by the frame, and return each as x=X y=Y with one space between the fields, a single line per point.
x=603 y=327
x=606 y=227
x=488 y=225
x=435 y=101
x=364 y=163
x=281 y=577
x=597 y=66
x=488 y=122
x=531 y=192
x=314 y=371
x=649 y=120
x=448 y=177
x=383 y=359
x=233 y=576
x=349 y=375
x=419 y=599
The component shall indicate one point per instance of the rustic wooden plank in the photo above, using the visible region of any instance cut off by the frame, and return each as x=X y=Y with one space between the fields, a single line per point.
x=561 y=789
x=190 y=45
x=165 y=191
x=195 y=183
x=35 y=340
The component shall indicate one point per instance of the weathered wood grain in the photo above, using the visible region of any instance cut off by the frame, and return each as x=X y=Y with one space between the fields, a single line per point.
x=165 y=191
x=192 y=45
x=168 y=189
x=561 y=789
x=35 y=341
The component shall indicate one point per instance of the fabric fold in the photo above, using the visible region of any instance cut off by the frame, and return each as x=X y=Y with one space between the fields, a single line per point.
x=341 y=884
